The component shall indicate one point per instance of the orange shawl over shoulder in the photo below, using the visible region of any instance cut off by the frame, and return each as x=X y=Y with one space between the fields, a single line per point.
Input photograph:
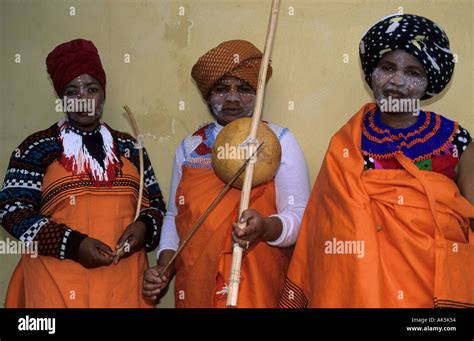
x=370 y=239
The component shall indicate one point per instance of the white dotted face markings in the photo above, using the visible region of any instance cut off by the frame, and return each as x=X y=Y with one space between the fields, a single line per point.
x=417 y=36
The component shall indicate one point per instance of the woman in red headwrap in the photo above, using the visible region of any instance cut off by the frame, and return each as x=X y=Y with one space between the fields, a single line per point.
x=227 y=77
x=70 y=193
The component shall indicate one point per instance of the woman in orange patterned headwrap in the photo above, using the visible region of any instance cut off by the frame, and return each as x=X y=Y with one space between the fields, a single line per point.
x=72 y=190
x=227 y=78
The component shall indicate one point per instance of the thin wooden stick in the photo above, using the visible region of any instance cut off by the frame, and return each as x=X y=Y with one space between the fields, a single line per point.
x=136 y=132
x=237 y=252
x=210 y=208
x=139 y=139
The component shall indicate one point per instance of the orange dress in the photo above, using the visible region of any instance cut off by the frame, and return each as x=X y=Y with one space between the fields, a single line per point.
x=204 y=265
x=100 y=212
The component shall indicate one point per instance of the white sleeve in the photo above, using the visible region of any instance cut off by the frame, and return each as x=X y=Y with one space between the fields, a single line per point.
x=292 y=190
x=169 y=235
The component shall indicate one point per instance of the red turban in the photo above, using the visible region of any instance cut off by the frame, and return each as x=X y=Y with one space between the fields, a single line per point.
x=237 y=58
x=72 y=59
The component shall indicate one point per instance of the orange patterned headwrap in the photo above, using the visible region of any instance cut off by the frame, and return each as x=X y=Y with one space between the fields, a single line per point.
x=237 y=58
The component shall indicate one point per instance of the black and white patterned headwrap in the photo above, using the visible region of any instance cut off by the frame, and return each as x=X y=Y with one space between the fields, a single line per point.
x=416 y=35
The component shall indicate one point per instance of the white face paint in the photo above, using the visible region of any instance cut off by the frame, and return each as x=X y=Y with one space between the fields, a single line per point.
x=217 y=103
x=249 y=107
x=231 y=98
x=88 y=92
x=216 y=107
x=399 y=79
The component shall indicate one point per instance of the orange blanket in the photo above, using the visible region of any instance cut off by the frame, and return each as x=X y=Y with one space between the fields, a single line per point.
x=203 y=266
x=370 y=238
x=100 y=212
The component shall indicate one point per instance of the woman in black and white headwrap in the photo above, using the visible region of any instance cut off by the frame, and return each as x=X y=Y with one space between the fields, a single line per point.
x=396 y=189
x=417 y=36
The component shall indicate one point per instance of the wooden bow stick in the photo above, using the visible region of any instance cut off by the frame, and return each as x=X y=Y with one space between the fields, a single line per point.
x=237 y=252
x=139 y=139
x=139 y=145
x=211 y=207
